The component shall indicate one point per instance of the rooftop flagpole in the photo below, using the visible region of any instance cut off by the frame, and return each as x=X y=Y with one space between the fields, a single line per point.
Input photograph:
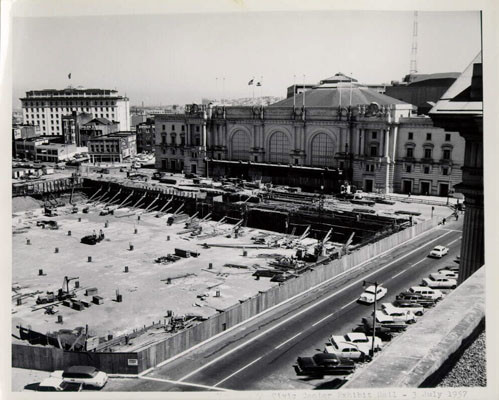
x=304 y=93
x=294 y=92
x=351 y=88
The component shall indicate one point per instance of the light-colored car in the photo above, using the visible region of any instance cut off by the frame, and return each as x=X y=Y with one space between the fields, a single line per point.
x=52 y=384
x=438 y=252
x=364 y=342
x=448 y=273
x=425 y=291
x=339 y=346
x=399 y=314
x=87 y=375
x=439 y=281
x=370 y=292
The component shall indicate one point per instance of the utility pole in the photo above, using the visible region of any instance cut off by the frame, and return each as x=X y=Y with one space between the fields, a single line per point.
x=376 y=284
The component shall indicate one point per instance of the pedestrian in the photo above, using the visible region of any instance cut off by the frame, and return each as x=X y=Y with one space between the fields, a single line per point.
x=443 y=221
x=409 y=195
x=457 y=216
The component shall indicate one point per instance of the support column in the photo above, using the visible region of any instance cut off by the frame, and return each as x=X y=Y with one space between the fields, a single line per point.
x=386 y=140
x=395 y=135
x=472 y=246
x=296 y=137
x=303 y=141
x=254 y=138
x=203 y=136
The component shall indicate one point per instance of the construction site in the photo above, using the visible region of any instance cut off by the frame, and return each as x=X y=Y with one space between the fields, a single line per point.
x=113 y=265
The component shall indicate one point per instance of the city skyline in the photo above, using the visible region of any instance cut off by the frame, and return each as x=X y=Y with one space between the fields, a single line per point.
x=160 y=51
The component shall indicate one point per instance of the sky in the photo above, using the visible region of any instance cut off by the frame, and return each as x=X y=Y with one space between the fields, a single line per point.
x=177 y=58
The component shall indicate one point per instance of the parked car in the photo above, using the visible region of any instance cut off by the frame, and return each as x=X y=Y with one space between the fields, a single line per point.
x=387 y=321
x=84 y=374
x=448 y=273
x=339 y=346
x=52 y=384
x=429 y=293
x=439 y=281
x=323 y=364
x=384 y=333
x=399 y=314
x=453 y=268
x=438 y=252
x=368 y=295
x=363 y=342
x=416 y=308
x=414 y=298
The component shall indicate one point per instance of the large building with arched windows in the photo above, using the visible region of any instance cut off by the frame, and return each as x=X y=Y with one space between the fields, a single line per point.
x=338 y=130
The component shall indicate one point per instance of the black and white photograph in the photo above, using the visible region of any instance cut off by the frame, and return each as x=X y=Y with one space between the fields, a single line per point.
x=246 y=198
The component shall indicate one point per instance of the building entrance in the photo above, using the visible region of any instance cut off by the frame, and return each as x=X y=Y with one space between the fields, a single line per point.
x=444 y=189
x=368 y=185
x=406 y=187
x=425 y=188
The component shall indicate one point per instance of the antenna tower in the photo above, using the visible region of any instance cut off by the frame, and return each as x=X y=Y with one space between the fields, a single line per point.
x=414 y=50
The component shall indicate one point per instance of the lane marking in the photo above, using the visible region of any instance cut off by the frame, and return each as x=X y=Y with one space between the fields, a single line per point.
x=459 y=238
x=215 y=360
x=346 y=305
x=185 y=383
x=451 y=230
x=239 y=370
x=290 y=339
x=400 y=273
x=323 y=319
x=291 y=299
x=420 y=261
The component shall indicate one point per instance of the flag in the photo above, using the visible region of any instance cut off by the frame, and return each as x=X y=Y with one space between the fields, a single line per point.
x=258 y=84
x=251 y=82
x=69 y=75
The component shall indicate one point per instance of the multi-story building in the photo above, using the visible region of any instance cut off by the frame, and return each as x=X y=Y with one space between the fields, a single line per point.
x=47 y=107
x=45 y=149
x=337 y=130
x=429 y=160
x=95 y=128
x=114 y=147
x=71 y=126
x=146 y=136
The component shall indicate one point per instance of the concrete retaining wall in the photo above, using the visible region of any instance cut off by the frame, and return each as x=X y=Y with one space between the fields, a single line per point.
x=416 y=355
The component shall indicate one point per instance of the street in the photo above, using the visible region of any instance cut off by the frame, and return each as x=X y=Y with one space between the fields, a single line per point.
x=259 y=355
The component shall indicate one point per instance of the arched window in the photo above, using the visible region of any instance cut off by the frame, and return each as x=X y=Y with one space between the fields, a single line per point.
x=322 y=150
x=240 y=146
x=279 y=148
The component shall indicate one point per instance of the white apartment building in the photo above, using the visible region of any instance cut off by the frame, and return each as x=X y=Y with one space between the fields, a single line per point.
x=47 y=107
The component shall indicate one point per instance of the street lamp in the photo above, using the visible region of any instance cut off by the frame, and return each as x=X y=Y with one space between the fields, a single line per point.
x=376 y=284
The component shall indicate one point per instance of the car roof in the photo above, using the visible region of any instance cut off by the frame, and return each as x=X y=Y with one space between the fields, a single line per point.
x=439 y=247
x=355 y=335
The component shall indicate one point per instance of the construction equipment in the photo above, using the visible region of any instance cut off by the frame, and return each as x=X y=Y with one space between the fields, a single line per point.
x=62 y=294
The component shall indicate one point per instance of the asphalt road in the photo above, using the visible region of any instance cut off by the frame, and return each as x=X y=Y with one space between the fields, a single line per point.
x=259 y=355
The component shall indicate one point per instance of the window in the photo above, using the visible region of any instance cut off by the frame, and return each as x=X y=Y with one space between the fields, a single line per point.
x=408 y=168
x=374 y=135
x=410 y=152
x=427 y=153
x=410 y=136
x=447 y=137
x=240 y=146
x=446 y=154
x=367 y=167
x=445 y=171
x=182 y=127
x=164 y=127
x=173 y=127
x=279 y=148
x=428 y=136
x=197 y=128
x=322 y=150
x=374 y=151
x=426 y=170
